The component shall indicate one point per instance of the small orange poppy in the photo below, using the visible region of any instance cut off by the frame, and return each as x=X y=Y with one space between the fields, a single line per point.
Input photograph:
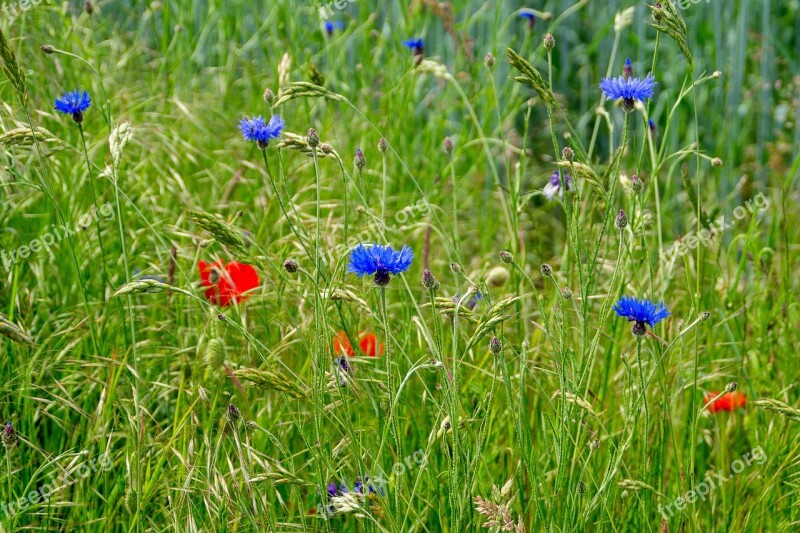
x=730 y=401
x=368 y=343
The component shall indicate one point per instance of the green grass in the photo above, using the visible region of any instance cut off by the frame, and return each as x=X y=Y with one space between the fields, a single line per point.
x=573 y=425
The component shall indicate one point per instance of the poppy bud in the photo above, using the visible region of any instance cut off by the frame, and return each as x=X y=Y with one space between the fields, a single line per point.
x=497 y=276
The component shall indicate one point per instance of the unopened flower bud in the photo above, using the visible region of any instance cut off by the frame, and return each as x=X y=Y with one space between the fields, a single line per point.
x=233 y=413
x=705 y=315
x=429 y=281
x=622 y=220
x=383 y=145
x=732 y=386
x=495 y=346
x=497 y=276
x=269 y=96
x=637 y=185
x=359 y=160
x=716 y=162
x=47 y=49
x=312 y=138
x=326 y=148
x=489 y=60
x=566 y=293
x=547 y=270
x=568 y=154
x=455 y=267
x=506 y=257
x=447 y=145
x=290 y=266
x=549 y=41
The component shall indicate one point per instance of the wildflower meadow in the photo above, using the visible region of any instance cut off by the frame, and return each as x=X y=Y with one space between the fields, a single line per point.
x=400 y=266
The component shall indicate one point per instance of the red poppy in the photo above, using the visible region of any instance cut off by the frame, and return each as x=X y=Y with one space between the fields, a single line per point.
x=227 y=282
x=730 y=401
x=367 y=342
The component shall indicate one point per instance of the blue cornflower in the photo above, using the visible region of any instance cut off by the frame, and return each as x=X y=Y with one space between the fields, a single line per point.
x=529 y=16
x=553 y=186
x=255 y=129
x=628 y=89
x=332 y=25
x=641 y=312
x=74 y=103
x=416 y=45
x=380 y=261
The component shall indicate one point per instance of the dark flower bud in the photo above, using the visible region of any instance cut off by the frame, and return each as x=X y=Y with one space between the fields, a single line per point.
x=716 y=162
x=233 y=413
x=581 y=488
x=639 y=329
x=595 y=445
x=383 y=145
x=566 y=293
x=495 y=345
x=312 y=138
x=9 y=436
x=447 y=145
x=359 y=160
x=213 y=276
x=622 y=220
x=455 y=267
x=732 y=386
x=47 y=49
x=429 y=281
x=88 y=7
x=269 y=96
x=506 y=257
x=549 y=41
x=326 y=148
x=489 y=60
x=568 y=154
x=705 y=315
x=547 y=270
x=290 y=266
